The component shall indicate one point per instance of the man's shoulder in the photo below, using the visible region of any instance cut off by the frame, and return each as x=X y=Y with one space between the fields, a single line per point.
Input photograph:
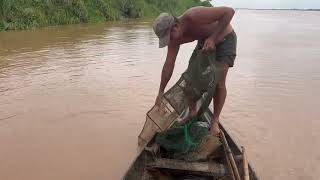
x=189 y=15
x=191 y=11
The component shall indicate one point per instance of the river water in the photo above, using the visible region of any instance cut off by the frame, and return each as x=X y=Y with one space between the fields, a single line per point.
x=73 y=98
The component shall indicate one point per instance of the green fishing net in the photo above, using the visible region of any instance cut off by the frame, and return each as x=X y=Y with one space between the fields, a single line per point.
x=183 y=138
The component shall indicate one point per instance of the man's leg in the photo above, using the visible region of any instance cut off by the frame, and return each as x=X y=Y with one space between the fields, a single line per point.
x=218 y=100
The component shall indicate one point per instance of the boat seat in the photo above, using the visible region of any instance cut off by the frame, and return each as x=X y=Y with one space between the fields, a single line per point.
x=198 y=168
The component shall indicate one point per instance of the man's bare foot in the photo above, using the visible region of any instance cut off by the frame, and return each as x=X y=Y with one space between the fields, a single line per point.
x=215 y=130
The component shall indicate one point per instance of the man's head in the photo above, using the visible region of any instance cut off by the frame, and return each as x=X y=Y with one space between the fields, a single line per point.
x=167 y=28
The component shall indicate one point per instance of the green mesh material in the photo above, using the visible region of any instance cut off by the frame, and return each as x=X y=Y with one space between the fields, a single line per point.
x=202 y=73
x=183 y=138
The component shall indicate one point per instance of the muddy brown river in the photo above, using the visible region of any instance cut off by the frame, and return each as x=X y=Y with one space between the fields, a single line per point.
x=73 y=98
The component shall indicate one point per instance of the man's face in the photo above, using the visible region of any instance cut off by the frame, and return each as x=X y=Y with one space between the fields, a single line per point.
x=175 y=33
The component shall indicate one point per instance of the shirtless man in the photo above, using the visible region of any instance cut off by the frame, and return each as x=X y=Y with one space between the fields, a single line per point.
x=209 y=25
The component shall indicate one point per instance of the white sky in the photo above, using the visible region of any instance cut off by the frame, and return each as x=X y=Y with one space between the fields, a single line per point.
x=265 y=4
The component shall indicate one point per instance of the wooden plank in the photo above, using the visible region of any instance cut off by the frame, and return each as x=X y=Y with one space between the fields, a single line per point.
x=229 y=166
x=229 y=156
x=245 y=165
x=202 y=168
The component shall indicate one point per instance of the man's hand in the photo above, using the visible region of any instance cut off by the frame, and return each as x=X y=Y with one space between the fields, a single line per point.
x=209 y=44
x=159 y=99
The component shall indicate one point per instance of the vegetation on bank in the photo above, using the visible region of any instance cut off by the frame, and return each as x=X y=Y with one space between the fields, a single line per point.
x=24 y=14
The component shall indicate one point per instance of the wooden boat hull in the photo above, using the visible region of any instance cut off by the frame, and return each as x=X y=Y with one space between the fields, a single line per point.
x=138 y=167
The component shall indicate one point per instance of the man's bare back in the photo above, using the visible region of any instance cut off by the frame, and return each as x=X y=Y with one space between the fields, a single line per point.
x=196 y=27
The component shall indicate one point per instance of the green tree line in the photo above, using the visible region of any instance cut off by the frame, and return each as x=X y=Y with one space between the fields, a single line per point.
x=25 y=14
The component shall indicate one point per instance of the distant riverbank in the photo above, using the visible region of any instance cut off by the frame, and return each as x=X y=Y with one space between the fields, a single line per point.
x=26 y=14
x=279 y=9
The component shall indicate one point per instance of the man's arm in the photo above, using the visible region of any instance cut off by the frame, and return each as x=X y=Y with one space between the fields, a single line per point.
x=168 y=66
x=208 y=15
x=167 y=70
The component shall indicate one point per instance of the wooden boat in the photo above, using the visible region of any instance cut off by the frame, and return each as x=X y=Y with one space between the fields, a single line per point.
x=152 y=162
x=138 y=169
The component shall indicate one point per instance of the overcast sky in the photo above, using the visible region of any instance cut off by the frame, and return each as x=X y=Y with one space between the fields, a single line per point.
x=299 y=4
